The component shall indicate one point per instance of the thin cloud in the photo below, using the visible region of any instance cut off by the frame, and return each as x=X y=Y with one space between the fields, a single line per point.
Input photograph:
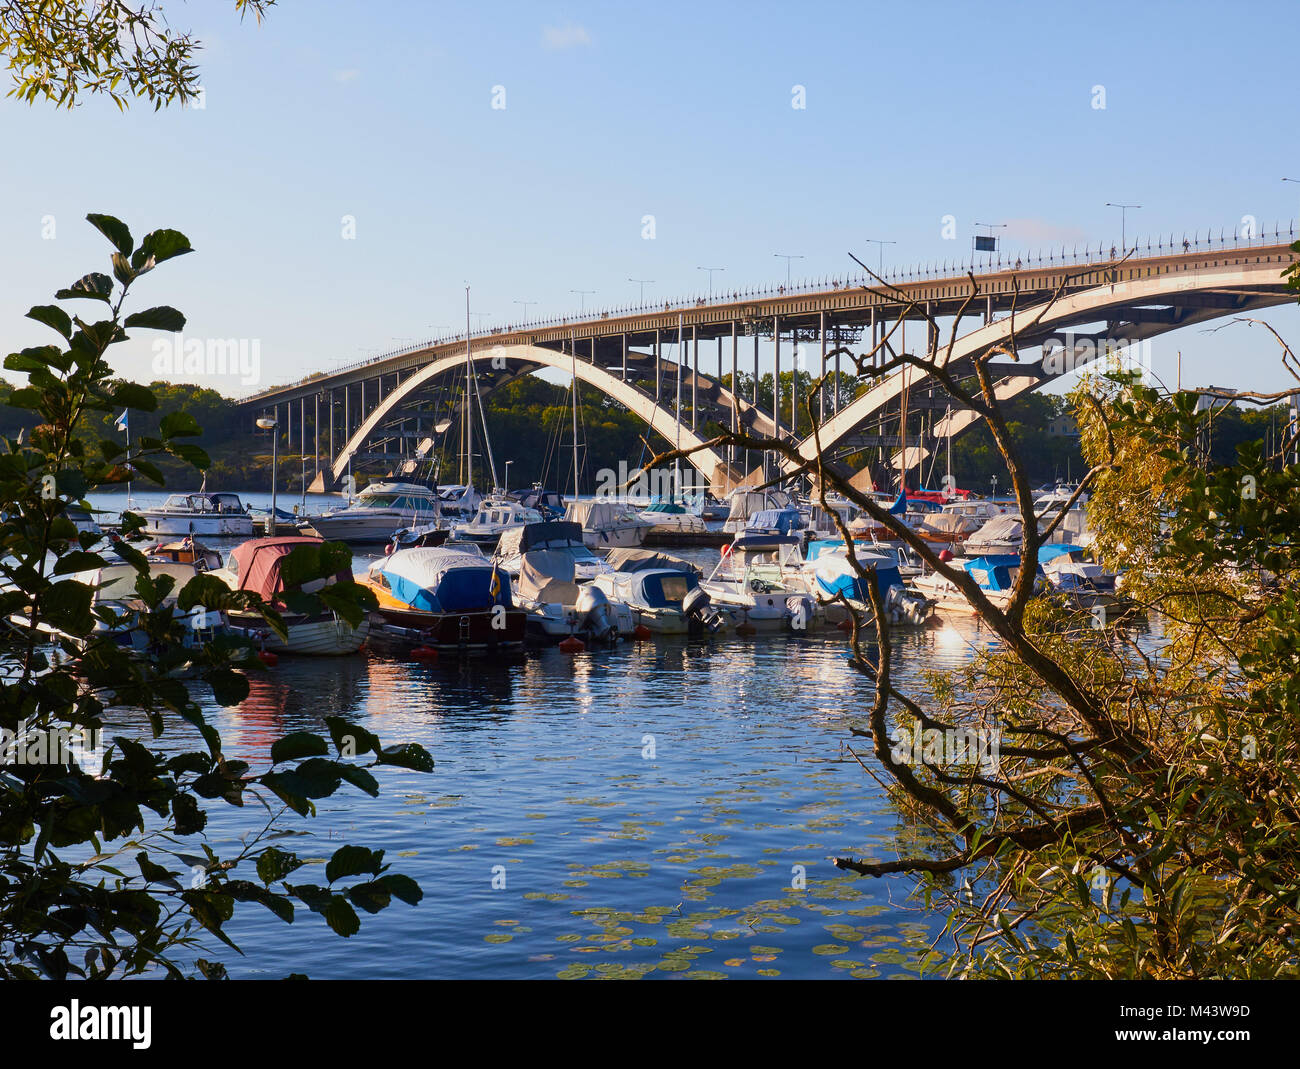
x=349 y=75
x=570 y=36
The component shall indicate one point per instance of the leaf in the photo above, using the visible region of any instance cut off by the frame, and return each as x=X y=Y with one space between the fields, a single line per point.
x=160 y=245
x=296 y=745
x=114 y=229
x=54 y=317
x=95 y=286
x=402 y=887
x=179 y=424
x=133 y=395
x=353 y=861
x=274 y=865
x=408 y=755
x=342 y=917
x=160 y=318
x=360 y=778
x=349 y=739
x=372 y=896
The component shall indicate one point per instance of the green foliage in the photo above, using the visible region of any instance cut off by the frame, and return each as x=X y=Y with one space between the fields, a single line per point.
x=63 y=50
x=103 y=875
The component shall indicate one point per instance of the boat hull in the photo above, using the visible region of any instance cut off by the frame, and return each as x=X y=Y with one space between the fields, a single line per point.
x=320 y=636
x=479 y=630
x=214 y=525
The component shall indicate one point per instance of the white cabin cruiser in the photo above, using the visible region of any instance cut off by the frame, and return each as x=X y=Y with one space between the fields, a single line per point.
x=379 y=510
x=607 y=524
x=198 y=513
x=495 y=516
x=669 y=517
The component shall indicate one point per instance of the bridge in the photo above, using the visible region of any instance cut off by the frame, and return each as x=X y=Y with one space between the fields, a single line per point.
x=1071 y=305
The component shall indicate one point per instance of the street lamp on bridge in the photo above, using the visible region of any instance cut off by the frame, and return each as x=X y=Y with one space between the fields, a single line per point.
x=882 y=244
x=527 y=305
x=710 y=270
x=643 y=282
x=1123 y=222
x=787 y=257
x=582 y=295
x=267 y=423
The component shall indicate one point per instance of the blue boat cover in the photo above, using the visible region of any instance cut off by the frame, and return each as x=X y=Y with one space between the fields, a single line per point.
x=782 y=521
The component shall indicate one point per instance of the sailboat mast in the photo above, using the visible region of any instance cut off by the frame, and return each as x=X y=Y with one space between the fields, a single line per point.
x=573 y=356
x=469 y=411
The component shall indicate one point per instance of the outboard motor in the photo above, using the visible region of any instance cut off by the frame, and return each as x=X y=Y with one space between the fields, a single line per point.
x=800 y=607
x=593 y=612
x=699 y=606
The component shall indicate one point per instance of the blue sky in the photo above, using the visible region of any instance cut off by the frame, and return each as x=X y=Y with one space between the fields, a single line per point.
x=383 y=112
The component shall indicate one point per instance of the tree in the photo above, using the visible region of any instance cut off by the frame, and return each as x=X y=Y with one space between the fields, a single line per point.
x=62 y=50
x=85 y=883
x=1082 y=801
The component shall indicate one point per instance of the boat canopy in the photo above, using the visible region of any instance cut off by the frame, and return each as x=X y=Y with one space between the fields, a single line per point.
x=656 y=588
x=1053 y=550
x=259 y=560
x=593 y=515
x=547 y=575
x=779 y=521
x=947 y=524
x=640 y=560
x=996 y=572
x=835 y=575
x=546 y=535
x=443 y=579
x=1007 y=527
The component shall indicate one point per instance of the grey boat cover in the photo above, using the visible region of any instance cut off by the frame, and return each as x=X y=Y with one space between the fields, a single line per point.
x=530 y=535
x=547 y=576
x=643 y=560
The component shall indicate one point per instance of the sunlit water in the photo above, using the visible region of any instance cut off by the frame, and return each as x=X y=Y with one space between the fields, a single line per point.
x=662 y=808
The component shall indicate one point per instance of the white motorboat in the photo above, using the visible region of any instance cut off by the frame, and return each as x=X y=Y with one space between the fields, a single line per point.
x=557 y=607
x=256 y=566
x=558 y=536
x=495 y=516
x=833 y=577
x=664 y=593
x=607 y=524
x=198 y=513
x=669 y=517
x=994 y=574
x=765 y=587
x=379 y=510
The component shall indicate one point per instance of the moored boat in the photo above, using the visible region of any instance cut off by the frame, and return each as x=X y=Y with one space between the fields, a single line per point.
x=379 y=510
x=607 y=524
x=664 y=593
x=257 y=566
x=198 y=513
x=454 y=598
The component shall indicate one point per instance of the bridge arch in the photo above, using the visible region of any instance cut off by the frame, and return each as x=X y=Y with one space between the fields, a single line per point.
x=523 y=359
x=1250 y=285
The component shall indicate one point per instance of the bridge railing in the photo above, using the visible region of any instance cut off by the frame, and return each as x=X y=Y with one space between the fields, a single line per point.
x=1188 y=242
